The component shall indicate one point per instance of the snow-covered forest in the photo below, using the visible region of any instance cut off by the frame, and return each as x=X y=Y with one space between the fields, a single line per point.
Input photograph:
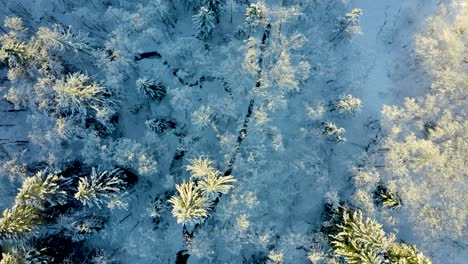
x=233 y=131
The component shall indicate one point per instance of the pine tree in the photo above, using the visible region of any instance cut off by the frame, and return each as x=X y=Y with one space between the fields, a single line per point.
x=189 y=206
x=13 y=49
x=60 y=38
x=349 y=24
x=42 y=190
x=78 y=93
x=360 y=241
x=201 y=167
x=403 y=253
x=24 y=255
x=387 y=198
x=214 y=184
x=203 y=22
x=275 y=257
x=195 y=197
x=18 y=222
x=152 y=89
x=101 y=188
x=216 y=6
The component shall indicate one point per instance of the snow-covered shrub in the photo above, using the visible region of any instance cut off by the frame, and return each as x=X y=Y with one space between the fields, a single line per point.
x=275 y=257
x=84 y=228
x=100 y=257
x=349 y=24
x=152 y=89
x=189 y=205
x=43 y=189
x=204 y=22
x=347 y=105
x=159 y=125
x=102 y=188
x=388 y=198
x=333 y=132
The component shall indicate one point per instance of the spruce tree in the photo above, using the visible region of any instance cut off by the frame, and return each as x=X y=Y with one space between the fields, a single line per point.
x=349 y=24
x=78 y=93
x=152 y=89
x=216 y=6
x=406 y=254
x=101 y=188
x=43 y=189
x=203 y=22
x=360 y=241
x=189 y=206
x=18 y=222
x=214 y=184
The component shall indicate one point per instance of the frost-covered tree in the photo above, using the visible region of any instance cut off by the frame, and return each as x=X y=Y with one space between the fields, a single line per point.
x=79 y=94
x=364 y=241
x=388 y=198
x=102 y=188
x=195 y=197
x=255 y=14
x=216 y=6
x=214 y=184
x=348 y=25
x=24 y=255
x=190 y=206
x=204 y=22
x=201 y=167
x=160 y=125
x=346 y=105
x=360 y=241
x=24 y=55
x=426 y=136
x=19 y=221
x=404 y=253
x=333 y=132
x=275 y=257
x=39 y=54
x=43 y=189
x=152 y=89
